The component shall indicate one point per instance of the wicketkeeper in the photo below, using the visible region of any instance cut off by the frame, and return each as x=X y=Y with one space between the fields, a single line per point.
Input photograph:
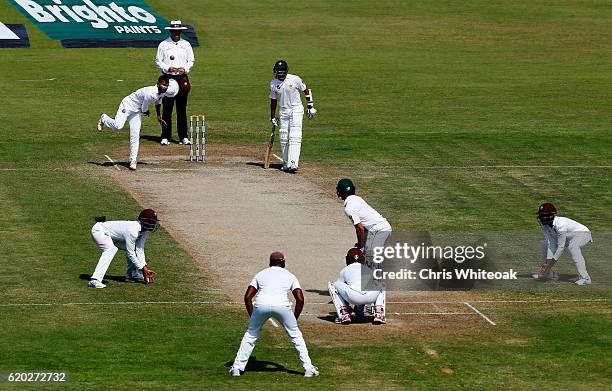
x=348 y=289
x=130 y=236
x=557 y=232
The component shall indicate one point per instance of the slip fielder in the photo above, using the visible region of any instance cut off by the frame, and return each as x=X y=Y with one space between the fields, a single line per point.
x=557 y=232
x=130 y=236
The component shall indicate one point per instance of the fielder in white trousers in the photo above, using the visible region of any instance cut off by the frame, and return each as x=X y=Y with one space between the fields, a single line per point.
x=271 y=287
x=260 y=315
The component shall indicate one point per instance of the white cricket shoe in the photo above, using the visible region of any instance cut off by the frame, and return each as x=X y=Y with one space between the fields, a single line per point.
x=311 y=372
x=185 y=141
x=133 y=165
x=164 y=141
x=234 y=372
x=100 y=125
x=379 y=318
x=96 y=284
x=583 y=281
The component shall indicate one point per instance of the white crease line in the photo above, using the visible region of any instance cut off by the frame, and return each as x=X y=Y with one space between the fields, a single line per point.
x=273 y=322
x=111 y=160
x=276 y=156
x=325 y=303
x=501 y=166
x=39 y=79
x=483 y=316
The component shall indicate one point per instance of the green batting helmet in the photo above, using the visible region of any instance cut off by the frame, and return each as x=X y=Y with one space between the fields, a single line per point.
x=345 y=188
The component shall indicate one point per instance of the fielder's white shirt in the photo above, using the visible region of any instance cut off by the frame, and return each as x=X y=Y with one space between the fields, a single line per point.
x=562 y=229
x=360 y=212
x=139 y=100
x=128 y=236
x=174 y=54
x=287 y=93
x=273 y=284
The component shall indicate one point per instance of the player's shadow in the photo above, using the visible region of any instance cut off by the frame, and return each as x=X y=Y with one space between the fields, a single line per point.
x=155 y=139
x=106 y=278
x=276 y=166
x=331 y=318
x=255 y=365
x=562 y=277
x=321 y=292
x=122 y=164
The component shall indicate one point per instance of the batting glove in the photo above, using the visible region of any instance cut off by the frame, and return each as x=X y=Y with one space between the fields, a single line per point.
x=311 y=112
x=274 y=121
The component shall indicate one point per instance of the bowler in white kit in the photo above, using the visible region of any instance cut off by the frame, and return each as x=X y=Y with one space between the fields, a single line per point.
x=133 y=107
x=285 y=91
x=130 y=236
x=271 y=286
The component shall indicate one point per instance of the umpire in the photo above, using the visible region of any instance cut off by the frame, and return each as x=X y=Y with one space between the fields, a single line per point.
x=175 y=58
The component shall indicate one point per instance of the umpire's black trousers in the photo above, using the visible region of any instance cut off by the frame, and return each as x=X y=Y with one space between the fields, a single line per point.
x=181 y=115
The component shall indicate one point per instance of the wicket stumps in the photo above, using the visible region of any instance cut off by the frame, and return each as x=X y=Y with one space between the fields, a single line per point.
x=197 y=122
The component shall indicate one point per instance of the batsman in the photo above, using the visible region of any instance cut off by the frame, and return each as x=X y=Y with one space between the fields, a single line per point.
x=286 y=88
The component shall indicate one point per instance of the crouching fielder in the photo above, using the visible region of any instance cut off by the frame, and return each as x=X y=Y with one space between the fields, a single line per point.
x=557 y=232
x=349 y=290
x=130 y=236
x=271 y=286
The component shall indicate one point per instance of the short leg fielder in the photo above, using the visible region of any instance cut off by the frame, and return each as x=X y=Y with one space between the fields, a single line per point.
x=260 y=315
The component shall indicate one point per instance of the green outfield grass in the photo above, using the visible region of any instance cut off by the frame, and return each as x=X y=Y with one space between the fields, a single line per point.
x=449 y=116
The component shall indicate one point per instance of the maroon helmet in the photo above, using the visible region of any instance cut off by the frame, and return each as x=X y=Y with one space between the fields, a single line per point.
x=148 y=219
x=547 y=213
x=354 y=255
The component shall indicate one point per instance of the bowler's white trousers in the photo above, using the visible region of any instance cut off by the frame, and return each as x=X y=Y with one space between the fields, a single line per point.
x=262 y=313
x=134 y=118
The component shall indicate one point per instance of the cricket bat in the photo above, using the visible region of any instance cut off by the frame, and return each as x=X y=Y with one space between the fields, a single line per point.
x=268 y=155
